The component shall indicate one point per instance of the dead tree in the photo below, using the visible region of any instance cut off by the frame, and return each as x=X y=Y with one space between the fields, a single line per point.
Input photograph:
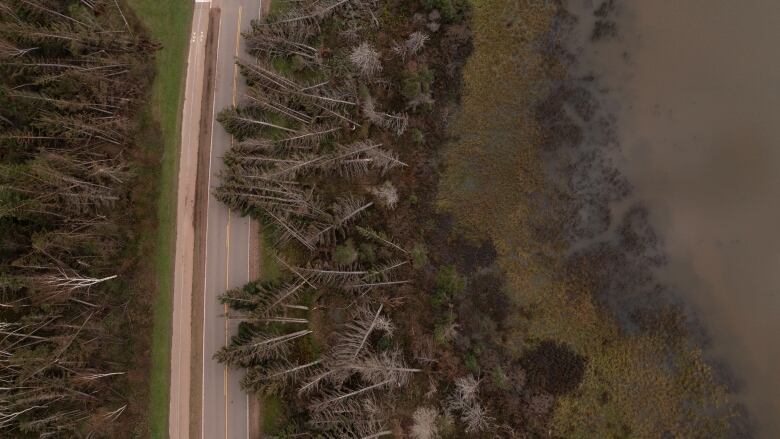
x=333 y=102
x=282 y=40
x=386 y=194
x=264 y=299
x=465 y=400
x=9 y=50
x=277 y=377
x=62 y=283
x=242 y=125
x=395 y=123
x=360 y=158
x=411 y=46
x=380 y=237
x=54 y=184
x=258 y=346
x=425 y=423
x=366 y=59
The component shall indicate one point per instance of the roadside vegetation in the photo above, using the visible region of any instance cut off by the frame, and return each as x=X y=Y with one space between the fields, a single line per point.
x=73 y=78
x=426 y=282
x=168 y=24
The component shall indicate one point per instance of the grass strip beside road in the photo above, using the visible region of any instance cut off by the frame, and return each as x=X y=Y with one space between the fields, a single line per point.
x=168 y=22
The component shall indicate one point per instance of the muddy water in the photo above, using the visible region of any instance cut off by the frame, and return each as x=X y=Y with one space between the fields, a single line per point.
x=695 y=89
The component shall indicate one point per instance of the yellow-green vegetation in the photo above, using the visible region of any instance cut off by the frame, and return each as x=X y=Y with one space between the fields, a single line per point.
x=272 y=414
x=638 y=385
x=270 y=269
x=168 y=23
x=279 y=7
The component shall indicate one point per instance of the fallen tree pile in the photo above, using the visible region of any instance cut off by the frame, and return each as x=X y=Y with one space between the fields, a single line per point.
x=71 y=76
x=338 y=92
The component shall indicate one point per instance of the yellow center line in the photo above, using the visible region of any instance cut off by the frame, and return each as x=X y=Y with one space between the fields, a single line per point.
x=227 y=241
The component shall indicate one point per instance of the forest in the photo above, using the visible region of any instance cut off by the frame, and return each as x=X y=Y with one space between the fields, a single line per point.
x=72 y=77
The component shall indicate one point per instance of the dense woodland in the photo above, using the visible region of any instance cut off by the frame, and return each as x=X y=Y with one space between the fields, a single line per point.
x=72 y=75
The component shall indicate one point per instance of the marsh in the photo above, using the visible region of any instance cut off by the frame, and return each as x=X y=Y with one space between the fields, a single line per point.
x=694 y=90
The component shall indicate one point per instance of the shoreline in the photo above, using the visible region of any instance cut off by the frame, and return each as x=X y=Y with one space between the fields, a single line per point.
x=601 y=301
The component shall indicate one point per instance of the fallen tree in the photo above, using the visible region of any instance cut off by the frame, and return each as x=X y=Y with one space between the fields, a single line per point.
x=71 y=76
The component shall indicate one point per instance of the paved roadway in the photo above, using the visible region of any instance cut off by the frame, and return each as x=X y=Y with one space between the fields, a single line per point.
x=181 y=342
x=225 y=406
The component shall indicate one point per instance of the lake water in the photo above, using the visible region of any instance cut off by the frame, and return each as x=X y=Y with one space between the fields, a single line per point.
x=694 y=86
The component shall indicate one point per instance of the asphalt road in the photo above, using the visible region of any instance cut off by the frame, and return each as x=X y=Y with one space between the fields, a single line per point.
x=225 y=406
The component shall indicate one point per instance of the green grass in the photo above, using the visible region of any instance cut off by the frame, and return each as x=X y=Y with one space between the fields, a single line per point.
x=279 y=7
x=168 y=22
x=272 y=414
x=269 y=268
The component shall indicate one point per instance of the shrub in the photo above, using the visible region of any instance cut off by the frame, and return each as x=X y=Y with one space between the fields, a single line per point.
x=444 y=333
x=416 y=87
x=471 y=363
x=449 y=282
x=367 y=252
x=273 y=414
x=417 y=137
x=446 y=329
x=345 y=254
x=553 y=367
x=419 y=255
x=385 y=343
x=500 y=379
x=451 y=11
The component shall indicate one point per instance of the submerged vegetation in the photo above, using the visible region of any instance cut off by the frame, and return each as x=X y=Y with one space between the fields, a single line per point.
x=72 y=76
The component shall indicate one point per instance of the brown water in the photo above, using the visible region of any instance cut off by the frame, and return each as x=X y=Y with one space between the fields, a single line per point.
x=695 y=87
